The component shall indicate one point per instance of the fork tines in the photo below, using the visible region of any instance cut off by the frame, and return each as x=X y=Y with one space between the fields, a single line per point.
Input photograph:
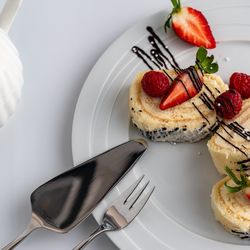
x=134 y=197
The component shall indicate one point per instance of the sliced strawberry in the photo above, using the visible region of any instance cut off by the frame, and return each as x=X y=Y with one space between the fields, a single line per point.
x=191 y=26
x=182 y=89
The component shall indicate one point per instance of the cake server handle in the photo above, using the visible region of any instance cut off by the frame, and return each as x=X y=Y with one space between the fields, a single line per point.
x=8 y=14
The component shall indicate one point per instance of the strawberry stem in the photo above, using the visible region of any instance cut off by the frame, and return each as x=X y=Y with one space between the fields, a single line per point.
x=176 y=8
x=205 y=63
x=176 y=5
x=241 y=183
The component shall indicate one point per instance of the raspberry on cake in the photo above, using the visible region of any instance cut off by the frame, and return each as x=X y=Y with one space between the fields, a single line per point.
x=155 y=83
x=228 y=104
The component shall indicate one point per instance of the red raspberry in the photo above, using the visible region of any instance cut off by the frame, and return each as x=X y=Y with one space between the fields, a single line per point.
x=228 y=104
x=155 y=83
x=241 y=83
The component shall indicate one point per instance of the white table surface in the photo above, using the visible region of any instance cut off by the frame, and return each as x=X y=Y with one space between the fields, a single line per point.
x=59 y=42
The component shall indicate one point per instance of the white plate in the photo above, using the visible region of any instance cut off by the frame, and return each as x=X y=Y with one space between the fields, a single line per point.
x=178 y=215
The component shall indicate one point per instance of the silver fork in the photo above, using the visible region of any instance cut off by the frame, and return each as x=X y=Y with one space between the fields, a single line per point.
x=121 y=212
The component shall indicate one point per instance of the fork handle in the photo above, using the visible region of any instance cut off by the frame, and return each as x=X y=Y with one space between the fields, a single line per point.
x=98 y=231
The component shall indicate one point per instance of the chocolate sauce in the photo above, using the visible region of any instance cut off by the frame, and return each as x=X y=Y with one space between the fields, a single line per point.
x=223 y=127
x=200 y=112
x=194 y=76
x=209 y=90
x=222 y=137
x=203 y=126
x=207 y=101
x=142 y=54
x=244 y=161
x=217 y=90
x=157 y=38
x=238 y=129
x=157 y=57
x=245 y=167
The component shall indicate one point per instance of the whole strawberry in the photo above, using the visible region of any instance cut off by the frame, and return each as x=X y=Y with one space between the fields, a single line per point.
x=190 y=25
x=228 y=104
x=241 y=83
x=155 y=83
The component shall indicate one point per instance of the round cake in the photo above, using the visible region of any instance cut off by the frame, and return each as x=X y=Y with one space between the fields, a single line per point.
x=232 y=210
x=190 y=121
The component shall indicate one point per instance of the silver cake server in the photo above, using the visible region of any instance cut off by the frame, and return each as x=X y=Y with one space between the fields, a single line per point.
x=66 y=200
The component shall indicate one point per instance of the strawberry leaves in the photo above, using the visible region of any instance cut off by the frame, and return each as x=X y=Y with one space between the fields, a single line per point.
x=205 y=63
x=241 y=182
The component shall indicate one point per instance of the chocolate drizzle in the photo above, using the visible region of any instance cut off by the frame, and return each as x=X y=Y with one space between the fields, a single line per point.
x=161 y=57
x=244 y=161
x=152 y=39
x=222 y=137
x=144 y=57
x=209 y=90
x=207 y=101
x=200 y=113
x=239 y=130
x=223 y=127
x=194 y=76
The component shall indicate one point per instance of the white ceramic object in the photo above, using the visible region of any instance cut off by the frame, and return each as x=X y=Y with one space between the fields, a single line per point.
x=179 y=215
x=11 y=70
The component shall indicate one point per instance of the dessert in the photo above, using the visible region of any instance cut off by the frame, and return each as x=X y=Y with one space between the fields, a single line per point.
x=183 y=122
x=230 y=200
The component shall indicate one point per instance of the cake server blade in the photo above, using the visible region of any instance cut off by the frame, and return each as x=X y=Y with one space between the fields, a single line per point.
x=66 y=200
